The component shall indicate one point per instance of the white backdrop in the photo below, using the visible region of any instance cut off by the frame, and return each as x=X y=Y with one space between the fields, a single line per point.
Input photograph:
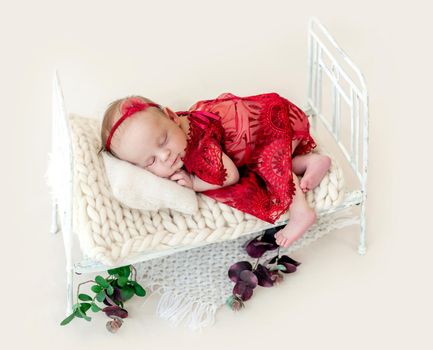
x=177 y=53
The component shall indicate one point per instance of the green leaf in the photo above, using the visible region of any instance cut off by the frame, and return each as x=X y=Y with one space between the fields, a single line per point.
x=139 y=290
x=95 y=288
x=78 y=314
x=68 y=319
x=84 y=297
x=95 y=308
x=84 y=307
x=121 y=282
x=125 y=271
x=127 y=293
x=101 y=281
x=114 y=271
x=82 y=314
x=281 y=267
x=110 y=290
x=100 y=296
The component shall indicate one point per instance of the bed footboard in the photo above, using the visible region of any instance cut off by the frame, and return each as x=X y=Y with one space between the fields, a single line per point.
x=331 y=71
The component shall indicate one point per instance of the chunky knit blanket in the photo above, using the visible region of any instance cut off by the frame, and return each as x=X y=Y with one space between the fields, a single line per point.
x=110 y=232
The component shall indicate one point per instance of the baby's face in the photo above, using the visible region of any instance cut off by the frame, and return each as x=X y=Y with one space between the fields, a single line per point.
x=153 y=142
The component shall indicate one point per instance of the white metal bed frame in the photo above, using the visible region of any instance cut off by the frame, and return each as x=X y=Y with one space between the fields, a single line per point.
x=357 y=101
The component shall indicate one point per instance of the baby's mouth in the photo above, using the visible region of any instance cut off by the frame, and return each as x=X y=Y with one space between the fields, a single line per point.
x=176 y=160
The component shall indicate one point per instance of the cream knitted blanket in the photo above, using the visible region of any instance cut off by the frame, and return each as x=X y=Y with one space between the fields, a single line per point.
x=110 y=232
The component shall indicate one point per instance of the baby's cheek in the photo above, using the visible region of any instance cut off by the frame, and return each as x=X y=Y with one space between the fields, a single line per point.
x=166 y=173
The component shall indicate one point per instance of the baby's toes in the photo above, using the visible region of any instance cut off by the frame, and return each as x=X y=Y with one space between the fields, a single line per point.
x=281 y=240
x=304 y=184
x=284 y=243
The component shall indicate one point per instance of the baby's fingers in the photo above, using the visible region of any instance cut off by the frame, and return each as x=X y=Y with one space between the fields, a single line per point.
x=176 y=176
x=185 y=183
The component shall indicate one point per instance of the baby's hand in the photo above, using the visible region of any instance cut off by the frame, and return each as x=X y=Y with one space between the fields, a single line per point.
x=182 y=178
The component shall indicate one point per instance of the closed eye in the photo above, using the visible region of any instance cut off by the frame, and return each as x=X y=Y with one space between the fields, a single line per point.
x=151 y=163
x=165 y=140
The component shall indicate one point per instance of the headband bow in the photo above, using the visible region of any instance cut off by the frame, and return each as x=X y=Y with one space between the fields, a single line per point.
x=128 y=107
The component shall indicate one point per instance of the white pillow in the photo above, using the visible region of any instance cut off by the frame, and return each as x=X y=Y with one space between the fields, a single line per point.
x=140 y=189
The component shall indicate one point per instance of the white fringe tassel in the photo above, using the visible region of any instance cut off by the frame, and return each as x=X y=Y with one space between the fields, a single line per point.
x=179 y=307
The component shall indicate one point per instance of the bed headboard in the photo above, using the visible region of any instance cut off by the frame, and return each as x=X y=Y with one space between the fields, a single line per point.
x=330 y=71
x=61 y=159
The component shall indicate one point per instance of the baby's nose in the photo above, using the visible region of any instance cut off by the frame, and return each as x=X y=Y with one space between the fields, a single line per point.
x=165 y=155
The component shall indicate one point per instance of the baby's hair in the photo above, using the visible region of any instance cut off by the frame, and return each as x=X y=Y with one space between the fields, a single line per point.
x=111 y=116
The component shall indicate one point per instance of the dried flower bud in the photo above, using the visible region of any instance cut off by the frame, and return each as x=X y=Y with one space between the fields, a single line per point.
x=114 y=325
x=277 y=277
x=237 y=304
x=234 y=303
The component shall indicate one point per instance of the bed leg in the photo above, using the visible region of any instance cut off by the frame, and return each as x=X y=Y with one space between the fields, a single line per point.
x=69 y=289
x=54 y=219
x=362 y=248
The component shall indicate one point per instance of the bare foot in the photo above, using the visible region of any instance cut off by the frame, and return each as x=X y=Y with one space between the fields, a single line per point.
x=298 y=224
x=317 y=167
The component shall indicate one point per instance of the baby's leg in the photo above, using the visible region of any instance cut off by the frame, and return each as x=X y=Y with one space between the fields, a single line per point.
x=301 y=218
x=312 y=167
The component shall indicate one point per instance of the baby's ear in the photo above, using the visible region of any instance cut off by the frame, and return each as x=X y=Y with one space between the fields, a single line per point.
x=172 y=115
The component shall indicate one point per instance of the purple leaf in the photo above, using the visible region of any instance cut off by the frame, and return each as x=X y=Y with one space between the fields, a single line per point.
x=242 y=291
x=115 y=311
x=269 y=235
x=247 y=294
x=239 y=288
x=249 y=278
x=285 y=258
x=257 y=247
x=289 y=268
x=263 y=275
x=236 y=269
x=288 y=263
x=116 y=297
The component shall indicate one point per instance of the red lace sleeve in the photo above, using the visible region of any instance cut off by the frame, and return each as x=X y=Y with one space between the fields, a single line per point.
x=203 y=154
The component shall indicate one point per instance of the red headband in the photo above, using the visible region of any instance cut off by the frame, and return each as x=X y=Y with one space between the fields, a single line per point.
x=128 y=107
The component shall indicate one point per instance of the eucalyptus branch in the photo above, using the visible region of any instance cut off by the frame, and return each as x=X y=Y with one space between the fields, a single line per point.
x=135 y=272
x=119 y=293
x=257 y=262
x=78 y=288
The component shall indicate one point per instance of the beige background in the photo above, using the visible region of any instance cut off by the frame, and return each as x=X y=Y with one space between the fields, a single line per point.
x=177 y=53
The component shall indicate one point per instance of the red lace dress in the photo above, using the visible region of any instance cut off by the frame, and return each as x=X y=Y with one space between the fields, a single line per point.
x=256 y=132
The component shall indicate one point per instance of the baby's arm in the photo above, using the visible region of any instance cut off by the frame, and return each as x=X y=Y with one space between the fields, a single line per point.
x=191 y=181
x=232 y=177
